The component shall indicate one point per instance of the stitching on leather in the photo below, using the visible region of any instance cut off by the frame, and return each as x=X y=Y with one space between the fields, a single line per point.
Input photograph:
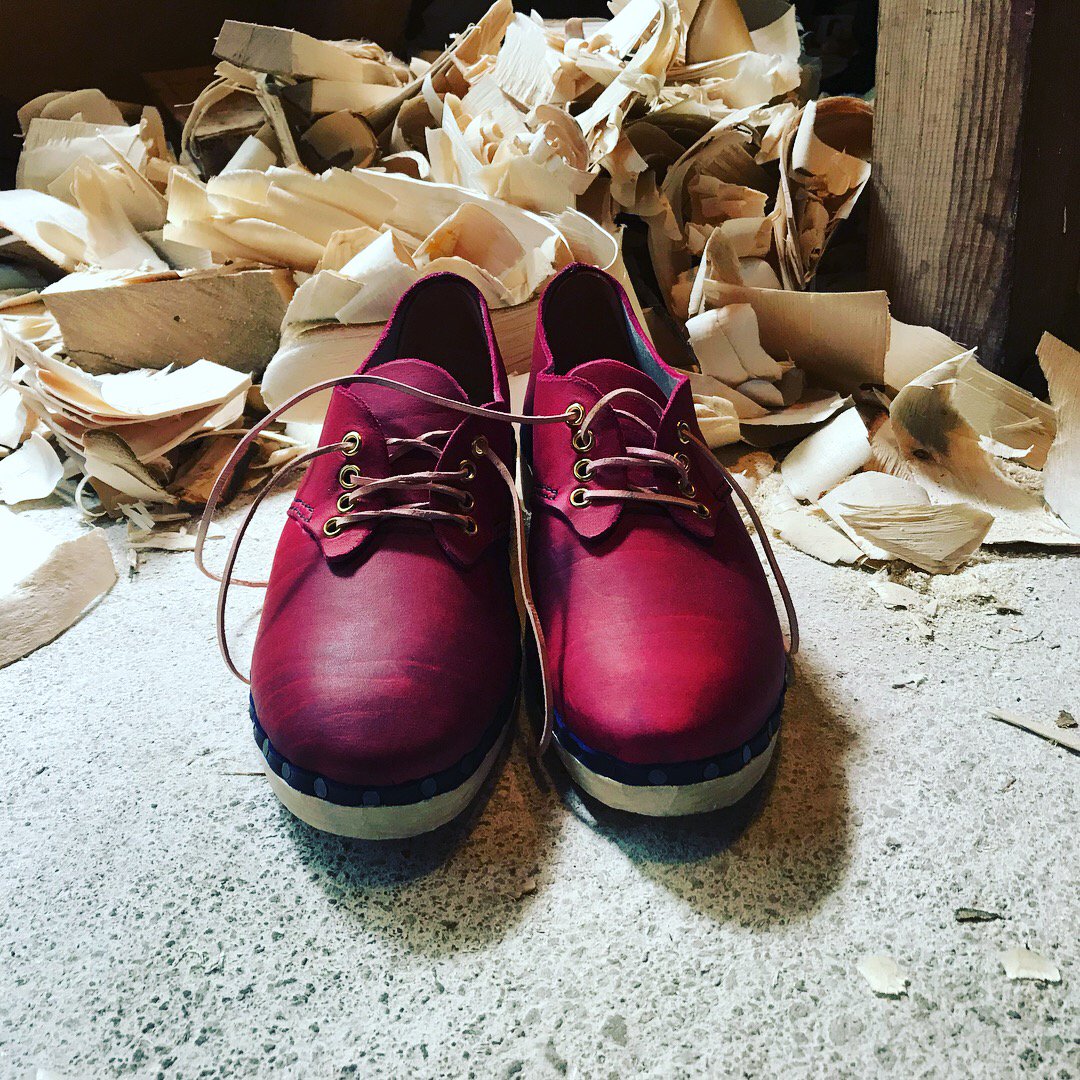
x=293 y=509
x=550 y=492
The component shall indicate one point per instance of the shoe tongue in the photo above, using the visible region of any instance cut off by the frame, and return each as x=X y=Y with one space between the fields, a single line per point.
x=608 y=375
x=403 y=416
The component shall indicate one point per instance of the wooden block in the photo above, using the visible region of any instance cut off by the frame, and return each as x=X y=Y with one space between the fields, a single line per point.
x=322 y=96
x=112 y=324
x=278 y=51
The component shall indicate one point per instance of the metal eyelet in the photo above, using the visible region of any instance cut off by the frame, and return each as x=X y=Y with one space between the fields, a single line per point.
x=468 y=502
x=583 y=469
x=480 y=445
x=468 y=470
x=687 y=488
x=344 y=504
x=683 y=460
x=332 y=526
x=470 y=526
x=348 y=476
x=575 y=413
x=583 y=444
x=703 y=511
x=683 y=431
x=579 y=497
x=351 y=442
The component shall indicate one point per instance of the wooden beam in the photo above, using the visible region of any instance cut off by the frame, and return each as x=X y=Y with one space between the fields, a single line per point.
x=971 y=104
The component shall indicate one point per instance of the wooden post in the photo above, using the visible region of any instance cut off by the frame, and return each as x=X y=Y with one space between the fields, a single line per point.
x=975 y=212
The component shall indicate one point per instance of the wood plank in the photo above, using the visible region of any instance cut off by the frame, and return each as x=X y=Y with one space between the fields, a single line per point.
x=231 y=318
x=952 y=81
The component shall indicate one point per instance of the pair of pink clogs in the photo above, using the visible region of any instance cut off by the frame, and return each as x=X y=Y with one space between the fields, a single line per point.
x=388 y=660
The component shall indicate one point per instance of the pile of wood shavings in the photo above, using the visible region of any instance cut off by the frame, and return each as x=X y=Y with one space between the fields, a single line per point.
x=152 y=302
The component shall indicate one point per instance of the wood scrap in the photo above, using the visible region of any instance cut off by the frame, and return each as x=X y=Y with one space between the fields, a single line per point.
x=936 y=538
x=56 y=230
x=969 y=914
x=884 y=974
x=825 y=165
x=30 y=472
x=114 y=322
x=839 y=338
x=1061 y=366
x=895 y=595
x=931 y=440
x=46 y=583
x=1051 y=732
x=279 y=51
x=1025 y=964
x=809 y=530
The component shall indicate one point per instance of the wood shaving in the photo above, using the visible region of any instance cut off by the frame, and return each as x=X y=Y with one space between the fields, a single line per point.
x=1061 y=365
x=46 y=583
x=1025 y=964
x=884 y=974
x=831 y=454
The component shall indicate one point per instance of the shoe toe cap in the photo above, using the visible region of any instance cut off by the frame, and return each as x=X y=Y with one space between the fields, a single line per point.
x=699 y=694
x=375 y=731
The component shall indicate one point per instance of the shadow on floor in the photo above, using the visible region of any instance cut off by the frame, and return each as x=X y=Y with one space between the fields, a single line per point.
x=457 y=888
x=768 y=860
x=771 y=858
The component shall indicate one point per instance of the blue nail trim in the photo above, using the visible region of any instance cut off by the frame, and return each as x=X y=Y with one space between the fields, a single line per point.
x=413 y=791
x=675 y=774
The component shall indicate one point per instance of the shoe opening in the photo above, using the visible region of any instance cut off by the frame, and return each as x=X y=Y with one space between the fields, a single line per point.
x=442 y=322
x=585 y=317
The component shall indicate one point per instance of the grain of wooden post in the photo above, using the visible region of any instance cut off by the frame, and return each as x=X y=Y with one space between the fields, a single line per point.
x=962 y=131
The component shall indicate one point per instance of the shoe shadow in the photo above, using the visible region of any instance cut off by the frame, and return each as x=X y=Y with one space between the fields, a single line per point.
x=455 y=889
x=774 y=856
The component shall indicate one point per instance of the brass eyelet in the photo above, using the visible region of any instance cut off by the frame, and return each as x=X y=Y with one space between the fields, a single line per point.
x=583 y=469
x=332 y=526
x=344 y=503
x=468 y=502
x=683 y=460
x=351 y=442
x=583 y=444
x=703 y=511
x=687 y=488
x=575 y=413
x=579 y=497
x=470 y=526
x=683 y=431
x=468 y=470
x=480 y=445
x=348 y=476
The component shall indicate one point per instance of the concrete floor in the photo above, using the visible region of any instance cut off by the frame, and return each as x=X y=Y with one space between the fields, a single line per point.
x=162 y=915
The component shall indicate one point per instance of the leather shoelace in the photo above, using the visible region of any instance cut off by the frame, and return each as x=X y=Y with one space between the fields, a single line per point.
x=441 y=483
x=642 y=456
x=446 y=483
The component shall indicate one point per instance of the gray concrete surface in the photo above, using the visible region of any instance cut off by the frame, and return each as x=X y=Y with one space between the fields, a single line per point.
x=161 y=914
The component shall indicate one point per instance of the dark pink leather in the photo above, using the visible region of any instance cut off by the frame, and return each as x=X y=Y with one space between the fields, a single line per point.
x=384 y=653
x=663 y=641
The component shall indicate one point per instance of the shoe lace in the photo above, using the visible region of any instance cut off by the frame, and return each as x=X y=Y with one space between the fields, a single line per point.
x=679 y=464
x=446 y=482
x=358 y=488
